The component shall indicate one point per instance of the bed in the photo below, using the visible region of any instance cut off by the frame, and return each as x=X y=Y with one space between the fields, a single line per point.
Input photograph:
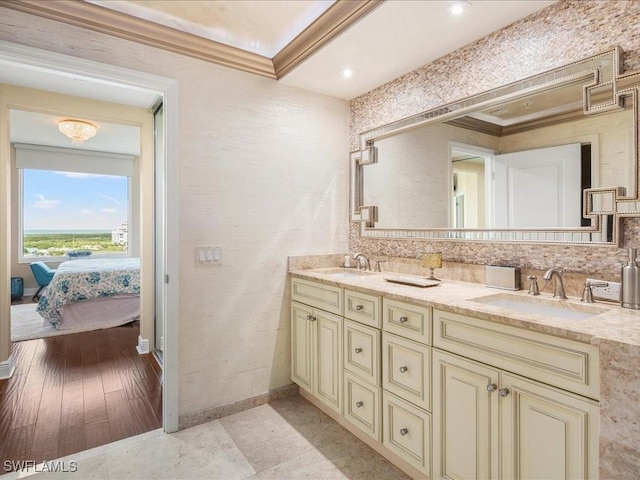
x=87 y=292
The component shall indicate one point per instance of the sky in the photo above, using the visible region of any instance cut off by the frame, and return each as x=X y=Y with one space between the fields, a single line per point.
x=73 y=201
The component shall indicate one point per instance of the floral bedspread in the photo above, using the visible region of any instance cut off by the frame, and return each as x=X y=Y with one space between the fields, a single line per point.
x=79 y=280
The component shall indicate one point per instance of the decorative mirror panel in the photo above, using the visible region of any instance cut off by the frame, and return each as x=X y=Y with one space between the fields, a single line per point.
x=552 y=158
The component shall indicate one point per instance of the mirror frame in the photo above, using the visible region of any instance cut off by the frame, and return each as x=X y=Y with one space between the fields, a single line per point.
x=605 y=89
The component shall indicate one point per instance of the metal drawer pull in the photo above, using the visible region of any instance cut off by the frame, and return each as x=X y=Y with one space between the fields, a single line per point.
x=309 y=317
x=404 y=431
x=492 y=387
x=359 y=404
x=313 y=319
x=403 y=369
x=503 y=392
x=358 y=350
x=403 y=319
x=359 y=307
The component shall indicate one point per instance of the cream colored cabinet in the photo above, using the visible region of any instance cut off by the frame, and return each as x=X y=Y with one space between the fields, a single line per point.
x=316 y=353
x=488 y=423
x=465 y=420
x=362 y=405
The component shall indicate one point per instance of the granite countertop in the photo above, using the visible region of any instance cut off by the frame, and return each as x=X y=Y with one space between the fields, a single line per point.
x=613 y=323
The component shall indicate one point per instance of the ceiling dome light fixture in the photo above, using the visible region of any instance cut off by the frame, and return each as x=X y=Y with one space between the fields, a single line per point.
x=348 y=72
x=457 y=8
x=77 y=130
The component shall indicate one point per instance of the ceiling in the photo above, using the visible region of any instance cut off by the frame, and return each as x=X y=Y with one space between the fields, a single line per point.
x=302 y=43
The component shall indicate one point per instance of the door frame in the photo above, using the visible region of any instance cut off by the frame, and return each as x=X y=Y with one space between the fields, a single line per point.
x=40 y=60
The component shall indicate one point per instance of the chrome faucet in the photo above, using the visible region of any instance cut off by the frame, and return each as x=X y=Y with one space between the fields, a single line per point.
x=358 y=257
x=558 y=287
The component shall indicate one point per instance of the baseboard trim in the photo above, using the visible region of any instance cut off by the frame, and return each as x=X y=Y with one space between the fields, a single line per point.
x=7 y=368
x=186 y=421
x=143 y=345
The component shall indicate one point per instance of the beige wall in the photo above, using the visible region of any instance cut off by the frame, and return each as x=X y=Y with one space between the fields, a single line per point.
x=561 y=33
x=263 y=172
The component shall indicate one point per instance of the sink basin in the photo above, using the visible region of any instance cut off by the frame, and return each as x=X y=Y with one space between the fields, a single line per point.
x=345 y=272
x=541 y=306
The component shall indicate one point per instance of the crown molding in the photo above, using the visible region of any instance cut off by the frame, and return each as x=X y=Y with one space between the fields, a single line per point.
x=337 y=18
x=103 y=20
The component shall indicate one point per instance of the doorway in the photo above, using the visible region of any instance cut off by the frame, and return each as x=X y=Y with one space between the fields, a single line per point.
x=102 y=77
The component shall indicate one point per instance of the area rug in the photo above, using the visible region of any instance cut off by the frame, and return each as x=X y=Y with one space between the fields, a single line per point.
x=27 y=324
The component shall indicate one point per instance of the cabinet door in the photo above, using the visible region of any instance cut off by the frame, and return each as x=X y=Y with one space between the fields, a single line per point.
x=302 y=346
x=328 y=350
x=546 y=432
x=465 y=419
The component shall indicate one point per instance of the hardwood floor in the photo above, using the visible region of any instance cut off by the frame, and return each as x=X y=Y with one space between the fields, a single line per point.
x=74 y=392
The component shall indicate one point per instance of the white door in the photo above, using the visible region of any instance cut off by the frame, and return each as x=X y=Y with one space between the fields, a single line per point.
x=538 y=188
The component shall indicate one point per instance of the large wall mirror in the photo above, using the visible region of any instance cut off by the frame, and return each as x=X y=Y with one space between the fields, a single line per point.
x=552 y=158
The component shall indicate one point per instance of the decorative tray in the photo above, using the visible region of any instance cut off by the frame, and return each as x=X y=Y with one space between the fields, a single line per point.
x=412 y=280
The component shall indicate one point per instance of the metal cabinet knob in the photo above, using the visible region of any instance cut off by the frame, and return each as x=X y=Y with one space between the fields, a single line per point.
x=359 y=404
x=309 y=317
x=503 y=392
x=403 y=369
x=404 y=431
x=359 y=307
x=358 y=350
x=492 y=387
x=403 y=319
x=313 y=319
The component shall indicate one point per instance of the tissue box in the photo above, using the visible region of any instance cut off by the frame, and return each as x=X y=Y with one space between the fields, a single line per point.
x=506 y=278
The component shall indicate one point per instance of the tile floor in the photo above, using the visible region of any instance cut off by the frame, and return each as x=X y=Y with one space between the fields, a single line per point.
x=286 y=439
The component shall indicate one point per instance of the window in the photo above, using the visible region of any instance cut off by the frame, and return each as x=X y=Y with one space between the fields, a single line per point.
x=70 y=213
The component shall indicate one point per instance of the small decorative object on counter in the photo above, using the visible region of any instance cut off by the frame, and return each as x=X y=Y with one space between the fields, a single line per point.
x=432 y=261
x=347 y=261
x=630 y=295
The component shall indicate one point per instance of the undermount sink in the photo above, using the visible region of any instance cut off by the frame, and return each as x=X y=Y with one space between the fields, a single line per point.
x=346 y=272
x=541 y=306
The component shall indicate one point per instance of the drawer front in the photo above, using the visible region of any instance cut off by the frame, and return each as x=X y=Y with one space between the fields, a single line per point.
x=362 y=307
x=324 y=297
x=407 y=432
x=407 y=320
x=406 y=369
x=362 y=405
x=566 y=364
x=362 y=351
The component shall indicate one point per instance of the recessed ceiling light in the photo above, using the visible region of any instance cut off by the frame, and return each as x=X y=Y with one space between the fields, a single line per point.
x=457 y=8
x=347 y=72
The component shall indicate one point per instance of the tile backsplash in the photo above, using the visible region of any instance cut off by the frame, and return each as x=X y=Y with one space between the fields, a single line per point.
x=561 y=33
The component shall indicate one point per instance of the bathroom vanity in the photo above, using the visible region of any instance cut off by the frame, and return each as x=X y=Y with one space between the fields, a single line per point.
x=458 y=380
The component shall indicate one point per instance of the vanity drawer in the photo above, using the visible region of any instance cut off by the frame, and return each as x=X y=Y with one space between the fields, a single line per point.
x=407 y=432
x=319 y=295
x=362 y=307
x=362 y=351
x=406 y=369
x=566 y=364
x=407 y=320
x=362 y=405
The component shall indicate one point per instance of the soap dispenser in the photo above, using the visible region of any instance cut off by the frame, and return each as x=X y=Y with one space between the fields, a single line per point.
x=630 y=296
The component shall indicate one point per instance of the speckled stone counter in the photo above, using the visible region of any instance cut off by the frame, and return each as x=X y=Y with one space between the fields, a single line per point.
x=614 y=330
